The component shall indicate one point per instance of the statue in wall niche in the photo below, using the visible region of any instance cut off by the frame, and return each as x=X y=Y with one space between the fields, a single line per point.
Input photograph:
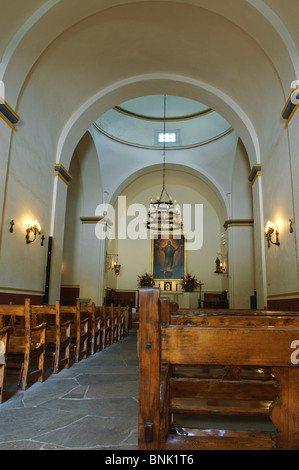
x=218 y=266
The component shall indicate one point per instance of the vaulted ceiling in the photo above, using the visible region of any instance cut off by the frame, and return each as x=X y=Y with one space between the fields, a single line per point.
x=66 y=64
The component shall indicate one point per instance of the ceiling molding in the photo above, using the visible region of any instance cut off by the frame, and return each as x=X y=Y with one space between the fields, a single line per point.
x=187 y=117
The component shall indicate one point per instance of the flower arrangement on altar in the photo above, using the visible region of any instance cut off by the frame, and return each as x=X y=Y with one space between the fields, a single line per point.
x=146 y=280
x=189 y=283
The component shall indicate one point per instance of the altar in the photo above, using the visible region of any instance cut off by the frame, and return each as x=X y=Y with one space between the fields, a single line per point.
x=183 y=299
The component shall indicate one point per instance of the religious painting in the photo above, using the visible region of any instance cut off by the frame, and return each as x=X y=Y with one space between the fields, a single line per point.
x=169 y=258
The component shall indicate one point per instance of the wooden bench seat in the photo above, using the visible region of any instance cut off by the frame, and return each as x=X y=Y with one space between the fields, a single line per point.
x=213 y=439
x=163 y=348
x=4 y=339
x=58 y=334
x=26 y=340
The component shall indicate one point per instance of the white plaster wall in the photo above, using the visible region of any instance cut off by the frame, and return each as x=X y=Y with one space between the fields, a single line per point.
x=26 y=195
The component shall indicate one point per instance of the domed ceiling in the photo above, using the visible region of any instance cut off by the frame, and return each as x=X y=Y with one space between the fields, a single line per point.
x=187 y=123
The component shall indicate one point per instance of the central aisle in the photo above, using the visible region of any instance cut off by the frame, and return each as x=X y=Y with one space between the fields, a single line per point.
x=91 y=406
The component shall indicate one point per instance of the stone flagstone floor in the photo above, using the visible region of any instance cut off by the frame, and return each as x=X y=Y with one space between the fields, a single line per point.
x=91 y=406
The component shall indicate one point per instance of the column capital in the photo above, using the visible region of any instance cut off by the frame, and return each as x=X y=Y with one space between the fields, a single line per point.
x=255 y=172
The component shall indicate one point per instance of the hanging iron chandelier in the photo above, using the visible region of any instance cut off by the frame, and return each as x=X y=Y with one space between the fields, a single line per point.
x=164 y=214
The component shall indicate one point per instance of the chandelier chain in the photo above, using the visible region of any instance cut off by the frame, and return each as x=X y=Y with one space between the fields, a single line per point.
x=164 y=215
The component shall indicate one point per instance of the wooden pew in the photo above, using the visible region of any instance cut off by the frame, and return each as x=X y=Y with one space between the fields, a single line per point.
x=108 y=326
x=79 y=329
x=58 y=334
x=236 y=317
x=163 y=347
x=26 y=340
x=119 y=323
x=215 y=300
x=127 y=320
x=94 y=326
x=4 y=338
x=117 y=319
x=111 y=325
x=122 y=322
x=102 y=334
x=105 y=330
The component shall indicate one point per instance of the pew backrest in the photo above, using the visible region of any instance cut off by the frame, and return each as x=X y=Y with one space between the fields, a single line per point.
x=22 y=312
x=234 y=320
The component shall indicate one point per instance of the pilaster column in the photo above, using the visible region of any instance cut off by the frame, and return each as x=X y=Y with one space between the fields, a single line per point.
x=61 y=183
x=259 y=236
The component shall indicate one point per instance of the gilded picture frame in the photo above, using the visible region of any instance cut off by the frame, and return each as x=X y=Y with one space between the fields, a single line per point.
x=169 y=257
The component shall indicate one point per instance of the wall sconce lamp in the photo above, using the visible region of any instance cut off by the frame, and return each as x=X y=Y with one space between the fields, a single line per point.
x=291 y=225
x=270 y=228
x=35 y=228
x=12 y=222
x=116 y=268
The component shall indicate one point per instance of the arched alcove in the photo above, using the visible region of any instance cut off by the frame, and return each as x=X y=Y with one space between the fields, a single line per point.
x=135 y=249
x=81 y=264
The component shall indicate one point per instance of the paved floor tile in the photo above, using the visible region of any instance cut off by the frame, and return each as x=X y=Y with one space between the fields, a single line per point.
x=91 y=405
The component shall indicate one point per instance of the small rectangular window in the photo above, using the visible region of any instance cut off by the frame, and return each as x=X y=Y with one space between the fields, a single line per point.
x=168 y=138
